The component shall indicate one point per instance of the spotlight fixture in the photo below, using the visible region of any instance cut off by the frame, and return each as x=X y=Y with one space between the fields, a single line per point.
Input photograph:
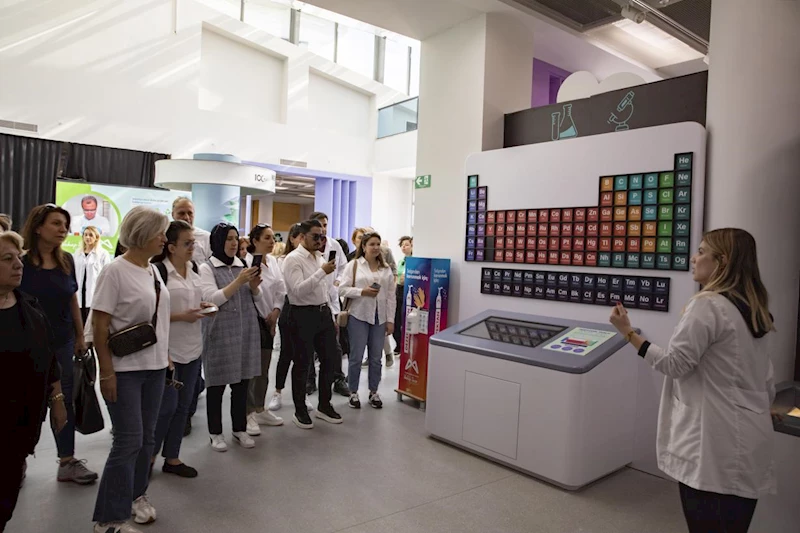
x=631 y=13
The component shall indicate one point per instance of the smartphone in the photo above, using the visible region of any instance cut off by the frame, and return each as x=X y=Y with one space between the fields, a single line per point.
x=209 y=310
x=376 y=286
x=332 y=255
x=257 y=259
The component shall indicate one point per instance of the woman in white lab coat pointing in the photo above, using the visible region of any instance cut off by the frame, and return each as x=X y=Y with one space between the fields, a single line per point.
x=715 y=433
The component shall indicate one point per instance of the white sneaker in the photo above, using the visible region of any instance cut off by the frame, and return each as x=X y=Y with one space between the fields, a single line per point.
x=115 y=527
x=265 y=418
x=218 y=443
x=243 y=439
x=309 y=405
x=252 y=426
x=275 y=402
x=142 y=511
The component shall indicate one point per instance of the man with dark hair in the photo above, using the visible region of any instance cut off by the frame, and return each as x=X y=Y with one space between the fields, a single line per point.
x=311 y=326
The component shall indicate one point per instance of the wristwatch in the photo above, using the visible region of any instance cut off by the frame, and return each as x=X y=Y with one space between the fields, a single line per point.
x=629 y=335
x=55 y=398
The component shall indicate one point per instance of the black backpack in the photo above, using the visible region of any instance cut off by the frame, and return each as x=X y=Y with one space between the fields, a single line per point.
x=162 y=269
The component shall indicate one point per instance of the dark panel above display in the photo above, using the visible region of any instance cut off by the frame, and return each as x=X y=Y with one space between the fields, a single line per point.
x=670 y=101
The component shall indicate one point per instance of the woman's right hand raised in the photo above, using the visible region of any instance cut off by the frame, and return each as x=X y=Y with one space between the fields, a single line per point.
x=108 y=387
x=246 y=275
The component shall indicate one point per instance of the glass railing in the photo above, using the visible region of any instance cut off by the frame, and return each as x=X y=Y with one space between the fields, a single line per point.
x=398 y=118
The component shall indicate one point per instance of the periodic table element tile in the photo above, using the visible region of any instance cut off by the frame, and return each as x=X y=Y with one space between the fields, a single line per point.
x=566 y=243
x=567 y=215
x=636 y=182
x=606 y=229
x=541 y=243
x=522 y=216
x=544 y=216
x=482 y=193
x=490 y=230
x=486 y=274
x=635 y=198
x=618 y=260
x=666 y=196
x=649 y=229
x=650 y=212
x=634 y=229
x=648 y=261
x=555 y=230
x=517 y=276
x=501 y=217
x=509 y=244
x=550 y=293
x=621 y=198
x=601 y=297
x=665 y=229
x=511 y=216
x=681 y=228
x=651 y=180
x=531 y=229
x=528 y=277
x=660 y=303
x=606 y=214
x=634 y=244
x=566 y=229
x=470 y=254
x=500 y=242
x=472 y=230
x=499 y=254
x=527 y=291
x=635 y=212
x=530 y=243
x=666 y=179
x=482 y=205
x=539 y=292
x=665 y=212
x=510 y=229
x=664 y=245
x=507 y=289
x=562 y=294
x=481 y=217
x=683 y=178
x=661 y=286
x=683 y=195
x=516 y=290
x=472 y=181
x=533 y=216
x=683 y=161
x=579 y=244
x=544 y=230
x=633 y=260
x=603 y=282
x=607 y=184
x=480 y=254
x=629 y=300
x=645 y=285
x=606 y=199
x=472 y=218
x=680 y=262
x=565 y=258
x=618 y=244
x=592 y=214
x=644 y=301
x=650 y=197
x=555 y=215
x=519 y=256
x=614 y=298
x=497 y=274
x=592 y=229
x=621 y=213
x=471 y=242
x=681 y=245
x=620 y=229
x=604 y=259
x=664 y=261
x=491 y=217
x=519 y=243
x=616 y=283
x=587 y=296
x=472 y=194
x=591 y=258
x=486 y=287
x=579 y=229
x=541 y=257
x=575 y=295
x=649 y=245
x=621 y=183
x=530 y=256
x=553 y=257
x=552 y=279
x=579 y=214
x=683 y=212
x=472 y=205
x=588 y=281
x=521 y=229
x=575 y=280
x=508 y=256
x=605 y=244
x=592 y=244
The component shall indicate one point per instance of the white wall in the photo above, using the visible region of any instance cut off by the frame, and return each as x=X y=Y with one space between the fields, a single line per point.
x=397 y=155
x=393 y=219
x=338 y=108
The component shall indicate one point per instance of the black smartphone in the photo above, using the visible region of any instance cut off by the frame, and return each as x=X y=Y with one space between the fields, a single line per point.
x=332 y=255
x=257 y=259
x=376 y=286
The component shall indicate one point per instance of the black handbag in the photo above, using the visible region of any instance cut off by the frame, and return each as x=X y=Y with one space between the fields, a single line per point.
x=88 y=416
x=263 y=328
x=139 y=336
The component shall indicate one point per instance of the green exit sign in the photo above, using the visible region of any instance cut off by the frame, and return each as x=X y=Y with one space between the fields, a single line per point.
x=422 y=182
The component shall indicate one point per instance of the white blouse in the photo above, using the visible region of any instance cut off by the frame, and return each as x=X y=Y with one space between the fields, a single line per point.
x=273 y=287
x=91 y=265
x=185 y=339
x=363 y=307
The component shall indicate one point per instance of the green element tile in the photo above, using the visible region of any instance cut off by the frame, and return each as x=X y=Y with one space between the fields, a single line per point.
x=633 y=260
x=636 y=182
x=683 y=195
x=680 y=262
x=604 y=259
x=651 y=197
x=618 y=260
x=665 y=229
x=651 y=181
x=473 y=181
x=650 y=212
x=666 y=196
x=664 y=261
x=683 y=178
x=683 y=212
x=664 y=245
x=621 y=183
x=634 y=197
x=665 y=212
x=666 y=179
x=683 y=161
x=681 y=245
x=648 y=261
x=681 y=228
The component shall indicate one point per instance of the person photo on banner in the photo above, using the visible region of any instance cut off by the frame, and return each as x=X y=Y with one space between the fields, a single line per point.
x=90 y=217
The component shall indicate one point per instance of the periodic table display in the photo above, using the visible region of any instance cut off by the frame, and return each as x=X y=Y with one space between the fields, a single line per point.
x=635 y=292
x=642 y=221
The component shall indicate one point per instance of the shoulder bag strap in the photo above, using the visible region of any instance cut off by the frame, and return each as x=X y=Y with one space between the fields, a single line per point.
x=355 y=266
x=157 y=285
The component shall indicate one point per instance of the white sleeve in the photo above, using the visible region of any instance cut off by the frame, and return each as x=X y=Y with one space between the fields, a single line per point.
x=106 y=291
x=297 y=284
x=280 y=287
x=341 y=261
x=346 y=288
x=208 y=286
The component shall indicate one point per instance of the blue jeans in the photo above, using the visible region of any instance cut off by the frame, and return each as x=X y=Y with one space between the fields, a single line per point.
x=65 y=441
x=370 y=337
x=175 y=406
x=127 y=470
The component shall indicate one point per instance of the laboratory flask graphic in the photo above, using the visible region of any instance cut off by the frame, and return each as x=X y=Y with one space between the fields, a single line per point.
x=562 y=126
x=624 y=109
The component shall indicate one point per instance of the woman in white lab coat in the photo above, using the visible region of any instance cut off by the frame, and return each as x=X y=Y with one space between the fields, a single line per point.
x=90 y=259
x=715 y=433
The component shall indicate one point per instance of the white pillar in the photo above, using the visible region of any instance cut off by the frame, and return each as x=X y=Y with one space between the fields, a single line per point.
x=753 y=179
x=470 y=76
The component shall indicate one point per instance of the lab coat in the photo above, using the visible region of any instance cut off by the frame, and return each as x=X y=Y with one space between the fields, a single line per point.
x=714 y=425
x=91 y=264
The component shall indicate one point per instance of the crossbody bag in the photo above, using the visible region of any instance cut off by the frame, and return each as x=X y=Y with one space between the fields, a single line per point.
x=344 y=315
x=139 y=336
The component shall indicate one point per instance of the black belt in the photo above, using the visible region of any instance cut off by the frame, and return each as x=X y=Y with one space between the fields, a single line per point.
x=318 y=307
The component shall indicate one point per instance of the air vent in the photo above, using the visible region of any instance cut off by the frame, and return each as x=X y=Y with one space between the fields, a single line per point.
x=290 y=163
x=22 y=126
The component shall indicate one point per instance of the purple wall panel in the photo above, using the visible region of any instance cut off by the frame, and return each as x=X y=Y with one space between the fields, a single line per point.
x=541 y=87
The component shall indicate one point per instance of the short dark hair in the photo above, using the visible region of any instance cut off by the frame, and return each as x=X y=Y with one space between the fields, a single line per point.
x=305 y=227
x=405 y=238
x=318 y=215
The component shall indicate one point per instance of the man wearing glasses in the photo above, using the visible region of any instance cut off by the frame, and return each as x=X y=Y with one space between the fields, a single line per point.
x=311 y=326
x=90 y=218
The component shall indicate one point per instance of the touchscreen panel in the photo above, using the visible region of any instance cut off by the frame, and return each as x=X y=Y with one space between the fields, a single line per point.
x=512 y=331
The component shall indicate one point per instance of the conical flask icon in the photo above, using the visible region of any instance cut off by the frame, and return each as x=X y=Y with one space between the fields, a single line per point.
x=562 y=126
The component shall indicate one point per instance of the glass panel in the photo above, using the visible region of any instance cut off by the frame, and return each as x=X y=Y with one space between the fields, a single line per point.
x=398 y=118
x=268 y=16
x=415 y=53
x=511 y=331
x=317 y=35
x=395 y=74
x=357 y=50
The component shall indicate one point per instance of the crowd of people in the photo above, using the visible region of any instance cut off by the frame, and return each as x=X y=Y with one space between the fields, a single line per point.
x=176 y=311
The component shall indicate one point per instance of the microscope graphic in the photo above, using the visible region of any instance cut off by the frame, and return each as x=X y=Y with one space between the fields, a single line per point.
x=625 y=103
x=561 y=124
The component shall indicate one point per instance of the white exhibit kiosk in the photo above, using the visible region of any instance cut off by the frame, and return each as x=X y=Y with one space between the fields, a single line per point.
x=557 y=233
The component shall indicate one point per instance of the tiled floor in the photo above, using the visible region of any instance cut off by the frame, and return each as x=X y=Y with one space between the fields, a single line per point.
x=378 y=472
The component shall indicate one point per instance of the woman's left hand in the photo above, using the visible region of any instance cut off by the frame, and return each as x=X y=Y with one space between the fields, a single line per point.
x=80 y=345
x=389 y=328
x=620 y=320
x=58 y=415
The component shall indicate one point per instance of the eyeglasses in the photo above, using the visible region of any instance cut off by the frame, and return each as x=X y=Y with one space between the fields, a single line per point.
x=316 y=236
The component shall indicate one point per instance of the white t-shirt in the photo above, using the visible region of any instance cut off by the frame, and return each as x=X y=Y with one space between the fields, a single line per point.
x=127 y=293
x=202 y=245
x=100 y=222
x=185 y=339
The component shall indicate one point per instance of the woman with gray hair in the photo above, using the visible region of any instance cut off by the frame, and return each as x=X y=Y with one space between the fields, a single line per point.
x=129 y=298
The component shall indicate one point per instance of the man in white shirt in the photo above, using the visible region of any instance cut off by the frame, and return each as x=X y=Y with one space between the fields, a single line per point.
x=311 y=323
x=183 y=209
x=90 y=218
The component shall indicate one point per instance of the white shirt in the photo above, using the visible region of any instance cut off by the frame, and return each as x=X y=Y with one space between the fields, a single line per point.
x=100 y=222
x=185 y=339
x=91 y=265
x=714 y=425
x=305 y=279
x=202 y=245
x=363 y=307
x=341 y=262
x=126 y=292
x=273 y=287
x=208 y=283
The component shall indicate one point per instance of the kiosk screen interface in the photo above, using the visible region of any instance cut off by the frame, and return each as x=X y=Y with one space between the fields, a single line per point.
x=511 y=331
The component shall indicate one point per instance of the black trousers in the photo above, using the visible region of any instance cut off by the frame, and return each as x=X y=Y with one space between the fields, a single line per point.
x=238 y=407
x=398 y=319
x=709 y=512
x=312 y=329
x=10 y=481
x=338 y=373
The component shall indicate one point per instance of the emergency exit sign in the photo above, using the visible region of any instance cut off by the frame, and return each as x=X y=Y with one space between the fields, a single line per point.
x=422 y=182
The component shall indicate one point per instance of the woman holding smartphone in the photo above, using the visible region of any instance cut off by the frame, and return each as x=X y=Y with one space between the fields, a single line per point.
x=368 y=285
x=715 y=433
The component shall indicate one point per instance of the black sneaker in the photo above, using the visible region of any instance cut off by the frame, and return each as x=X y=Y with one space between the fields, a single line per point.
x=326 y=413
x=187 y=430
x=181 y=470
x=340 y=387
x=375 y=400
x=355 y=403
x=302 y=420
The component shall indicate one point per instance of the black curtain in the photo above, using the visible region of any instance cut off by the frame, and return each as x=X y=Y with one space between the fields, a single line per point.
x=29 y=168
